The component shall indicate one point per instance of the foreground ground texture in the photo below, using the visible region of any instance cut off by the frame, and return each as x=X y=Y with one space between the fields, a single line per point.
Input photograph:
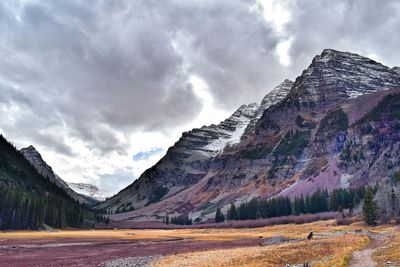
x=279 y=245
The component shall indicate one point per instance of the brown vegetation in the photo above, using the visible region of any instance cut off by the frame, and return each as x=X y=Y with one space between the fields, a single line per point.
x=389 y=252
x=332 y=251
x=331 y=244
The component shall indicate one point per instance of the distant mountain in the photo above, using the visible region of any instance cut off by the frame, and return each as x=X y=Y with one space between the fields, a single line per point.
x=89 y=190
x=336 y=125
x=29 y=200
x=34 y=157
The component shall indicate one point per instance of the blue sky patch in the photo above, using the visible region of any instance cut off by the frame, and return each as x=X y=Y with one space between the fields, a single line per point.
x=143 y=155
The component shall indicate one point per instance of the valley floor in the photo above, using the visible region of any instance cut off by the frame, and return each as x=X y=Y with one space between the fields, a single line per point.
x=331 y=245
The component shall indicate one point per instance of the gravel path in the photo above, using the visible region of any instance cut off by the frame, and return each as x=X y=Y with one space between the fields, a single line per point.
x=363 y=258
x=131 y=262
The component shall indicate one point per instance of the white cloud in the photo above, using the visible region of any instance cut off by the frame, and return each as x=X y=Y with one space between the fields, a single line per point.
x=283 y=51
x=277 y=12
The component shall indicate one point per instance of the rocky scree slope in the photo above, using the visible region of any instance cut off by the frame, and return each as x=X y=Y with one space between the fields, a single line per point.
x=335 y=126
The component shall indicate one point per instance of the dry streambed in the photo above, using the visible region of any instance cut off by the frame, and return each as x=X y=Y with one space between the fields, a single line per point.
x=131 y=262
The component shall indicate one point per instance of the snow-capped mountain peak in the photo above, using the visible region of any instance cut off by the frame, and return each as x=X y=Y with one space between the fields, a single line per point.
x=90 y=191
x=396 y=69
x=197 y=175
x=273 y=97
x=335 y=75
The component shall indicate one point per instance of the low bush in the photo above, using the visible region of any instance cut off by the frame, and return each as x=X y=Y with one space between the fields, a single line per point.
x=300 y=219
x=343 y=221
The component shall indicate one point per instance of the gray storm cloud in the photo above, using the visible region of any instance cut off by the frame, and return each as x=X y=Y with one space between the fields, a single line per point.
x=368 y=27
x=101 y=67
x=96 y=71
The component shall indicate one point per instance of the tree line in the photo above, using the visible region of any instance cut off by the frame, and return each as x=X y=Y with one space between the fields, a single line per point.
x=379 y=203
x=21 y=211
x=319 y=201
x=179 y=220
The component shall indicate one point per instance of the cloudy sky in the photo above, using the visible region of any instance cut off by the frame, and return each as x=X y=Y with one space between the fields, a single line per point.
x=102 y=88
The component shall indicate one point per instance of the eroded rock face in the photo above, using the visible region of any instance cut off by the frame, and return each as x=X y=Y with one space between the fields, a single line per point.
x=294 y=139
x=34 y=157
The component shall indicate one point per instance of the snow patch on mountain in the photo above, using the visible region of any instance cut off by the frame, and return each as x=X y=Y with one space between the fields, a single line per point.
x=231 y=130
x=90 y=191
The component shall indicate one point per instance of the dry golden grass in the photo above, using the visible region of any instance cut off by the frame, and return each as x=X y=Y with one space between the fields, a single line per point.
x=288 y=230
x=321 y=252
x=330 y=246
x=390 y=251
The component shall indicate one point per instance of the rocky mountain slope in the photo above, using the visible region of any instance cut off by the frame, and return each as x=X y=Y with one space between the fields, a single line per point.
x=190 y=158
x=34 y=157
x=335 y=126
x=89 y=190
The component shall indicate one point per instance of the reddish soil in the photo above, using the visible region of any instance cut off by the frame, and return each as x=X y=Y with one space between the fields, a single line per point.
x=328 y=179
x=92 y=252
x=360 y=106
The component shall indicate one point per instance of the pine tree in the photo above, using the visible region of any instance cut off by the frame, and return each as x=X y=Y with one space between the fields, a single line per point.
x=232 y=212
x=356 y=200
x=297 y=206
x=243 y=212
x=253 y=208
x=370 y=209
x=219 y=216
x=393 y=202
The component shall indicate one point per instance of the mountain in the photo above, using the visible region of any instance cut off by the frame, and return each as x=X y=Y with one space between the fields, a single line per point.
x=29 y=200
x=89 y=190
x=335 y=126
x=189 y=160
x=34 y=157
x=277 y=94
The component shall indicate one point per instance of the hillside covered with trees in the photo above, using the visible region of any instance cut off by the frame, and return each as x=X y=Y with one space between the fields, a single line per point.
x=29 y=200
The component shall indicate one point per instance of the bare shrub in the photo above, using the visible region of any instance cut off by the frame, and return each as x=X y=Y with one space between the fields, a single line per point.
x=292 y=219
x=300 y=219
x=343 y=221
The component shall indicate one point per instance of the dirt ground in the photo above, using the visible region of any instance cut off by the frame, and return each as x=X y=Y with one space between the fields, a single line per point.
x=92 y=252
x=331 y=245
